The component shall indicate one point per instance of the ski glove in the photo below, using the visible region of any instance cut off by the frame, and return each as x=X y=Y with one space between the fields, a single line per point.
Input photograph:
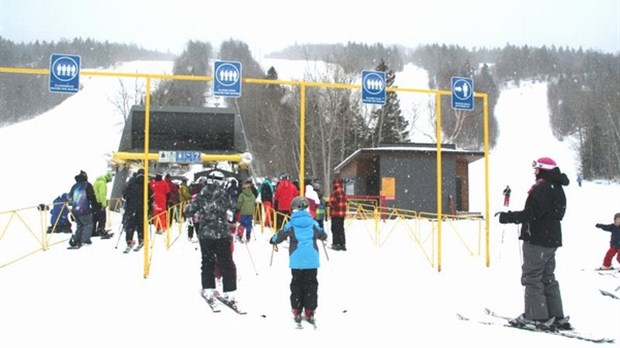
x=272 y=240
x=598 y=225
x=510 y=217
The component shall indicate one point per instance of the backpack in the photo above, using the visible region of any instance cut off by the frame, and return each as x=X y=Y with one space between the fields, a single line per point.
x=79 y=199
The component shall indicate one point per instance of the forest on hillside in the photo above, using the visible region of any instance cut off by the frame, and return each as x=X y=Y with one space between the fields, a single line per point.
x=583 y=93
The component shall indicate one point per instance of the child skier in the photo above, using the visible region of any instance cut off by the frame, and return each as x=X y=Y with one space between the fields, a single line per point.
x=302 y=231
x=614 y=243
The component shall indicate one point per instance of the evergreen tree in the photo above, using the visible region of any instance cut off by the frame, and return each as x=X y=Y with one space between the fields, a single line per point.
x=389 y=124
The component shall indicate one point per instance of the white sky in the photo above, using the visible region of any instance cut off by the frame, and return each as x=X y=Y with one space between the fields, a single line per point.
x=273 y=24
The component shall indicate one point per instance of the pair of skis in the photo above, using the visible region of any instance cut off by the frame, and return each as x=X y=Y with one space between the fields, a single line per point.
x=230 y=304
x=504 y=322
x=129 y=247
x=299 y=320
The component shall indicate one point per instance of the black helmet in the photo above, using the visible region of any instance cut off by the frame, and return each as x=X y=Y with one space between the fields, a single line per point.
x=299 y=203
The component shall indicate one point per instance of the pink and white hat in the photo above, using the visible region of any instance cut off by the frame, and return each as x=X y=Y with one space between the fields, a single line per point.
x=544 y=163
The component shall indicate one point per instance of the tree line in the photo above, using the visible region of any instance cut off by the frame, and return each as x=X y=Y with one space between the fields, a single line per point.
x=25 y=95
x=583 y=100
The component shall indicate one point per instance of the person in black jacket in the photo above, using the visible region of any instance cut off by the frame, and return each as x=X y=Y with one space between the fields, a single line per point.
x=541 y=232
x=614 y=243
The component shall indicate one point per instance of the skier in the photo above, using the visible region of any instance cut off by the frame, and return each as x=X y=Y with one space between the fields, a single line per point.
x=507 y=192
x=134 y=209
x=302 y=231
x=99 y=212
x=160 y=203
x=284 y=194
x=82 y=200
x=614 y=243
x=59 y=219
x=246 y=204
x=215 y=209
x=337 y=212
x=541 y=232
x=266 y=197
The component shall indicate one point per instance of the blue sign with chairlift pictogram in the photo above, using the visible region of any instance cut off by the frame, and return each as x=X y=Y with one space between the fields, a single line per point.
x=227 y=79
x=373 y=87
x=64 y=73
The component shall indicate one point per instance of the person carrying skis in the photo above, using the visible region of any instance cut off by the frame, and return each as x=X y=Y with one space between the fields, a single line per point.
x=302 y=231
x=614 y=243
x=541 y=232
x=214 y=208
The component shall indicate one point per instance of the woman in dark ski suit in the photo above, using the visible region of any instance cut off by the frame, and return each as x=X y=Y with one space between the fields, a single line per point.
x=541 y=232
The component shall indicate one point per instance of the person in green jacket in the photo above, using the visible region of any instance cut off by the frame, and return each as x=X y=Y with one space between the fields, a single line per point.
x=99 y=212
x=246 y=205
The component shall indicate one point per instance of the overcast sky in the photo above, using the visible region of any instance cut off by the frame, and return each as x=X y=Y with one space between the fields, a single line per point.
x=267 y=25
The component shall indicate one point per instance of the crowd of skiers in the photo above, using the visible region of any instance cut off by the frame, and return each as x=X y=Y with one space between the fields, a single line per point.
x=218 y=210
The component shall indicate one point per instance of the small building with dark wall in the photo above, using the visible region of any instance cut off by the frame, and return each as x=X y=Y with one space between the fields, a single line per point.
x=406 y=174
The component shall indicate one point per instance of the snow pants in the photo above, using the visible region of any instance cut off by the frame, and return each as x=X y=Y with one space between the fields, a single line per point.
x=610 y=255
x=304 y=288
x=338 y=237
x=217 y=250
x=542 y=292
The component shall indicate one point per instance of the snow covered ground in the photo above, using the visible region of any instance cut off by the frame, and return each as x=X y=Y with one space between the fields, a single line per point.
x=368 y=295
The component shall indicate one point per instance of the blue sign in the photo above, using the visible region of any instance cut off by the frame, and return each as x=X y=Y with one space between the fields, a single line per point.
x=462 y=93
x=227 y=79
x=64 y=73
x=188 y=157
x=373 y=87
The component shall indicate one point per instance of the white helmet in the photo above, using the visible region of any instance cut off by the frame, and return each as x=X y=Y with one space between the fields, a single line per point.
x=216 y=177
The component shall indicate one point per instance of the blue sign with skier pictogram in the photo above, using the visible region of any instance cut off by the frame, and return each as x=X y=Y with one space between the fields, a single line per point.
x=373 y=87
x=64 y=73
x=227 y=79
x=462 y=93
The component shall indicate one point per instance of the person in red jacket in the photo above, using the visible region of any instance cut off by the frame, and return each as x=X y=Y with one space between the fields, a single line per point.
x=160 y=200
x=337 y=212
x=285 y=192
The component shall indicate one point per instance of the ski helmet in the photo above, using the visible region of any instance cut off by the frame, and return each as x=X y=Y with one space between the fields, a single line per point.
x=544 y=163
x=299 y=203
x=216 y=178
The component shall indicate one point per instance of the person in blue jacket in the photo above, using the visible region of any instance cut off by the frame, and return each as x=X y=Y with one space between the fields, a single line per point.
x=302 y=231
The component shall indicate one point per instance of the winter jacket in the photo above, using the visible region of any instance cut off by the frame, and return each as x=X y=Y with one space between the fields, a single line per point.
x=246 y=201
x=266 y=191
x=313 y=199
x=172 y=197
x=212 y=207
x=543 y=212
x=82 y=196
x=101 y=189
x=184 y=194
x=337 y=201
x=285 y=192
x=615 y=234
x=134 y=195
x=302 y=231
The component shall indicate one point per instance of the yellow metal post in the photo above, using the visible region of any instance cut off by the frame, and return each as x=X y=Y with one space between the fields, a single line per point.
x=485 y=100
x=145 y=207
x=439 y=174
x=302 y=139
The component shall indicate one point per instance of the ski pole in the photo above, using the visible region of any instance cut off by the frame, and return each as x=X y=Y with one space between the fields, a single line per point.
x=273 y=248
x=325 y=250
x=119 y=237
x=251 y=258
